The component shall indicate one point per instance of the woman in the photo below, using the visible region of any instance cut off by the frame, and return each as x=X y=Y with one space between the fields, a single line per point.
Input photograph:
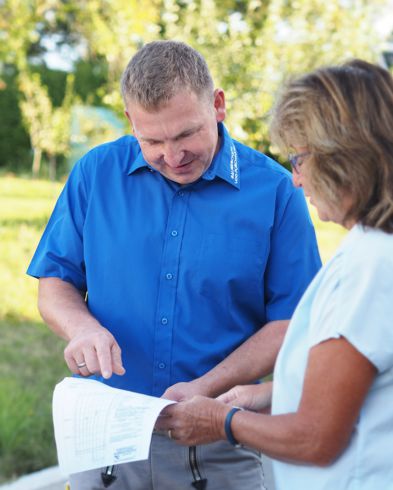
x=331 y=422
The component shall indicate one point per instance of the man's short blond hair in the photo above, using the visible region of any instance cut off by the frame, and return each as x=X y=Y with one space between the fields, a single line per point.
x=160 y=70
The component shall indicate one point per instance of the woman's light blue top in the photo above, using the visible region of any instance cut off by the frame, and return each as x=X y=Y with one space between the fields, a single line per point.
x=352 y=297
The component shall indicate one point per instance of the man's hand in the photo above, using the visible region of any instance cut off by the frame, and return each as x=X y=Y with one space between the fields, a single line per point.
x=94 y=350
x=252 y=397
x=91 y=348
x=183 y=391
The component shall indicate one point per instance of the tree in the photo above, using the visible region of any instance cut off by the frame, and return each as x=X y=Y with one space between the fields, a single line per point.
x=112 y=30
x=49 y=127
x=36 y=109
x=14 y=140
x=59 y=134
x=20 y=21
x=253 y=46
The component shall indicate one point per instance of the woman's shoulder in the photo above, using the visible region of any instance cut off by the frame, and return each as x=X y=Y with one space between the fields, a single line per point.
x=365 y=245
x=364 y=261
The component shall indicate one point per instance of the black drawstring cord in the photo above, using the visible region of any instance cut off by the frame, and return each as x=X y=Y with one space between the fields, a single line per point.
x=108 y=477
x=199 y=483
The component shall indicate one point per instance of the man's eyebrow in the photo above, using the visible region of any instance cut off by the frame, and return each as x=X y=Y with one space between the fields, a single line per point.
x=149 y=140
x=184 y=133
x=187 y=132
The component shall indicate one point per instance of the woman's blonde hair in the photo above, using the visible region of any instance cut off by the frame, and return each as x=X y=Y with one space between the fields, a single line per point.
x=344 y=116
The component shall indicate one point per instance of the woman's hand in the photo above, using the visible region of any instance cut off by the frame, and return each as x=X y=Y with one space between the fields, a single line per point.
x=199 y=420
x=252 y=397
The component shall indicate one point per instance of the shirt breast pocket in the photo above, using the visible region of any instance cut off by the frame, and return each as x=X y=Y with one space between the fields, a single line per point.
x=231 y=267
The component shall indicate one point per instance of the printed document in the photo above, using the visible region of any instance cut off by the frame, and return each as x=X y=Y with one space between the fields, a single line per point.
x=98 y=426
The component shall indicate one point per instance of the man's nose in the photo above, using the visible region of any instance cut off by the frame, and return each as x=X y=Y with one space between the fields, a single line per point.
x=173 y=155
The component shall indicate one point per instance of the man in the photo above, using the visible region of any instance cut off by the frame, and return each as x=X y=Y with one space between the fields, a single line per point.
x=166 y=252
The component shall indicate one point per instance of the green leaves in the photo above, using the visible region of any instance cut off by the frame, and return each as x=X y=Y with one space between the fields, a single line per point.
x=49 y=127
x=251 y=46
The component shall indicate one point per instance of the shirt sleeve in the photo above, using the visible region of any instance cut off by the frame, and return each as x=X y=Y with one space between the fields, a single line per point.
x=355 y=301
x=60 y=250
x=294 y=258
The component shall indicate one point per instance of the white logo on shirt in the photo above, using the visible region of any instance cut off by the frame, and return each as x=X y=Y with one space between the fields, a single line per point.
x=234 y=165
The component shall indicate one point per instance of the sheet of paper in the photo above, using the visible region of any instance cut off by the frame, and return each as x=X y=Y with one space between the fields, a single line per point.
x=96 y=425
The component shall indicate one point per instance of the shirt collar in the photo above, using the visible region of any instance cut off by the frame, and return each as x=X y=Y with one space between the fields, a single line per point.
x=225 y=164
x=139 y=162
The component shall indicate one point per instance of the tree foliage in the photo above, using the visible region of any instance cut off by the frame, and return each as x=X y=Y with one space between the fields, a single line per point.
x=251 y=46
x=14 y=139
x=49 y=127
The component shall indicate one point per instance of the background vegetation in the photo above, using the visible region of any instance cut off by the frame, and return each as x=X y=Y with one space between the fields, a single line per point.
x=251 y=46
x=30 y=356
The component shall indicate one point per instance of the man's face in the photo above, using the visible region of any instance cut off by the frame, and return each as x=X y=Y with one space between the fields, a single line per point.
x=180 y=139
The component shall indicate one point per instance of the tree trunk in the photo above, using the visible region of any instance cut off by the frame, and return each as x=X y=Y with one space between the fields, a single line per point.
x=52 y=168
x=36 y=162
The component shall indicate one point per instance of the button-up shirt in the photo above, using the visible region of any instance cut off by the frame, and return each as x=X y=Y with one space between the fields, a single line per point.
x=181 y=275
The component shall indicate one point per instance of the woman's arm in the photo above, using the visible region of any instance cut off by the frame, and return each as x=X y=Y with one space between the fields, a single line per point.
x=251 y=361
x=336 y=383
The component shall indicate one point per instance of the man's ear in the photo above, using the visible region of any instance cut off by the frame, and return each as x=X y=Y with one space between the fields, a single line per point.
x=127 y=114
x=219 y=104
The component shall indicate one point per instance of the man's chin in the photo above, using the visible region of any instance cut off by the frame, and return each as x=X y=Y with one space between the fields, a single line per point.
x=184 y=178
x=183 y=181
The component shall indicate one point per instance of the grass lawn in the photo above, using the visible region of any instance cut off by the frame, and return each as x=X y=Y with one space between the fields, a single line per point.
x=31 y=357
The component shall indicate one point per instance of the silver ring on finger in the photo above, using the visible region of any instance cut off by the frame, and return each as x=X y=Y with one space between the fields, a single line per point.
x=81 y=364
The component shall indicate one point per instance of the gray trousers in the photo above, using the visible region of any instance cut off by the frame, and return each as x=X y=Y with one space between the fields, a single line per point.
x=217 y=466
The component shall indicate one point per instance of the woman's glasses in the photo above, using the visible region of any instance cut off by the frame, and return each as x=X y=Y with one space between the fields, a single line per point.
x=296 y=160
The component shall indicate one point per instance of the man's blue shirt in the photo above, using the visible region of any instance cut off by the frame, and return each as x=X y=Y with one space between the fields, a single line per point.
x=181 y=275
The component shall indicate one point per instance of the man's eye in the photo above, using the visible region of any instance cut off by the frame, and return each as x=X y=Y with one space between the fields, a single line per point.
x=184 y=136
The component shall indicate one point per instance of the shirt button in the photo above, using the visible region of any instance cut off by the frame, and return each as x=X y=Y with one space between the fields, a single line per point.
x=162 y=365
x=164 y=320
x=181 y=193
x=174 y=232
x=169 y=276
